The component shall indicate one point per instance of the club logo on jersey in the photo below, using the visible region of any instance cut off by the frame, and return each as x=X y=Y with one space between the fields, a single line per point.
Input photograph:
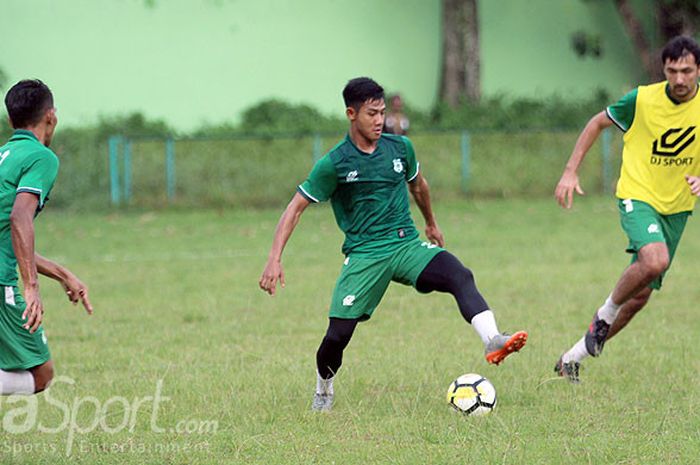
x=398 y=166
x=653 y=228
x=352 y=176
x=671 y=144
x=348 y=300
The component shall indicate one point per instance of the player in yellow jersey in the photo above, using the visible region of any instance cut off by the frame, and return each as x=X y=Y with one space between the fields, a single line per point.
x=657 y=188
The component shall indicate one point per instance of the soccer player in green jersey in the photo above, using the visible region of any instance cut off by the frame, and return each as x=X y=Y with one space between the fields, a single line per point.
x=28 y=170
x=658 y=186
x=365 y=177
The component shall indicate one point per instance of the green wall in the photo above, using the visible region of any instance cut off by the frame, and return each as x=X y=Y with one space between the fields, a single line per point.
x=196 y=61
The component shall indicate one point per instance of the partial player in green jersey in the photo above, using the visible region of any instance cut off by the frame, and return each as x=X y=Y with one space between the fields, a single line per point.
x=365 y=177
x=28 y=170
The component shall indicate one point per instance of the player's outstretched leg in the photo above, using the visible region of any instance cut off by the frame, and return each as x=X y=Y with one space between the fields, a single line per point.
x=328 y=360
x=445 y=273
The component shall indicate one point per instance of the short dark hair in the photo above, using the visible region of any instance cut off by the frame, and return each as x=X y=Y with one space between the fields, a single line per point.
x=680 y=46
x=27 y=101
x=359 y=90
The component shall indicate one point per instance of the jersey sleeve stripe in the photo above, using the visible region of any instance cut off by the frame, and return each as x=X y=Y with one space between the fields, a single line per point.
x=33 y=190
x=615 y=122
x=417 y=171
x=306 y=195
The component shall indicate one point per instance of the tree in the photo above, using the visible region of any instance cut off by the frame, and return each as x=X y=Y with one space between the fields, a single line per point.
x=673 y=17
x=461 y=63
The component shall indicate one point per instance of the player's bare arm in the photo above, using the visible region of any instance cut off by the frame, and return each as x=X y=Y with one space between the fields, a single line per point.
x=22 y=231
x=421 y=194
x=75 y=289
x=569 y=181
x=273 y=271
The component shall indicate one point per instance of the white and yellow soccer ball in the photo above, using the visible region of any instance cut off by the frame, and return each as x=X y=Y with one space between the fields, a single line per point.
x=472 y=394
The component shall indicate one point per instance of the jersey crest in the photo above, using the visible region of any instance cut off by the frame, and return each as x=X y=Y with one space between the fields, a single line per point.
x=398 y=166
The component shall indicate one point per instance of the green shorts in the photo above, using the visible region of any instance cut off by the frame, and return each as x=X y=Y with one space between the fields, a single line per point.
x=19 y=349
x=364 y=278
x=644 y=225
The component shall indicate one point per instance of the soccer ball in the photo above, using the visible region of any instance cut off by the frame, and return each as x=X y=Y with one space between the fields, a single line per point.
x=472 y=394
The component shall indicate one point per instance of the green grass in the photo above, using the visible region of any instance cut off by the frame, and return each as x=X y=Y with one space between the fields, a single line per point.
x=176 y=300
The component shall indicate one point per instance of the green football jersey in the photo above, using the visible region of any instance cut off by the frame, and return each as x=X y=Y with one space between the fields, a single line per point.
x=367 y=192
x=26 y=165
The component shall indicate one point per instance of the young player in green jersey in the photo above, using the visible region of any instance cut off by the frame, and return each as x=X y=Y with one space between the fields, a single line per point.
x=365 y=176
x=658 y=186
x=28 y=170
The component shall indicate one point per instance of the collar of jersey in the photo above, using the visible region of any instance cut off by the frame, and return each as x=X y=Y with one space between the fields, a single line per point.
x=376 y=150
x=676 y=102
x=23 y=134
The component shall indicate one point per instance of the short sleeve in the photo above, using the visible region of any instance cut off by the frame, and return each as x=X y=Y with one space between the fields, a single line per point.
x=321 y=183
x=39 y=176
x=412 y=165
x=622 y=112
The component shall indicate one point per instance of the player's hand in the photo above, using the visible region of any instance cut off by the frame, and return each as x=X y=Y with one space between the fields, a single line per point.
x=694 y=183
x=434 y=235
x=77 y=291
x=271 y=274
x=564 y=192
x=34 y=311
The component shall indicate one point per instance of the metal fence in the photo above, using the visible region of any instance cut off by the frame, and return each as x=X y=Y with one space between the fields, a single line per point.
x=253 y=171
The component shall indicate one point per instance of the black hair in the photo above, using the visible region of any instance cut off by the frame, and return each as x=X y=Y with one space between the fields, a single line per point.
x=680 y=46
x=27 y=102
x=360 y=90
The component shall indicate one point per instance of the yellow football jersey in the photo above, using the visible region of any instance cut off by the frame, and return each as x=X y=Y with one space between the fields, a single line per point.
x=660 y=148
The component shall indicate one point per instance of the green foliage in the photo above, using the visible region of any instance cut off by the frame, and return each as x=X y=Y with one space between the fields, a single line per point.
x=502 y=113
x=132 y=125
x=278 y=117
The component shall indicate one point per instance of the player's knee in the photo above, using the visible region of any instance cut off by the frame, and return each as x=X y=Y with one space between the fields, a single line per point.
x=654 y=260
x=656 y=265
x=43 y=375
x=464 y=278
x=337 y=338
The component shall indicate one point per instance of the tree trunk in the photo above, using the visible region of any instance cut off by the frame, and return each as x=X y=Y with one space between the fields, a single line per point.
x=472 y=55
x=641 y=44
x=461 y=62
x=677 y=17
x=453 y=66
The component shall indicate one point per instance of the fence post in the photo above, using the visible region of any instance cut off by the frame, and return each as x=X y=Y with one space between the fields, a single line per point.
x=465 y=146
x=607 y=169
x=127 y=170
x=170 y=168
x=316 y=151
x=115 y=193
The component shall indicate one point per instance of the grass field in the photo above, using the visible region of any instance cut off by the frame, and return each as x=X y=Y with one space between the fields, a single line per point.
x=179 y=315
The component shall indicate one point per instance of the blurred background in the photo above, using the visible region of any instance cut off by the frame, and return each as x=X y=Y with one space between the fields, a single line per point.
x=229 y=102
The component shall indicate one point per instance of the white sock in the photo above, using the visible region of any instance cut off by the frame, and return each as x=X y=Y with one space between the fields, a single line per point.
x=16 y=382
x=609 y=311
x=484 y=323
x=324 y=386
x=577 y=353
